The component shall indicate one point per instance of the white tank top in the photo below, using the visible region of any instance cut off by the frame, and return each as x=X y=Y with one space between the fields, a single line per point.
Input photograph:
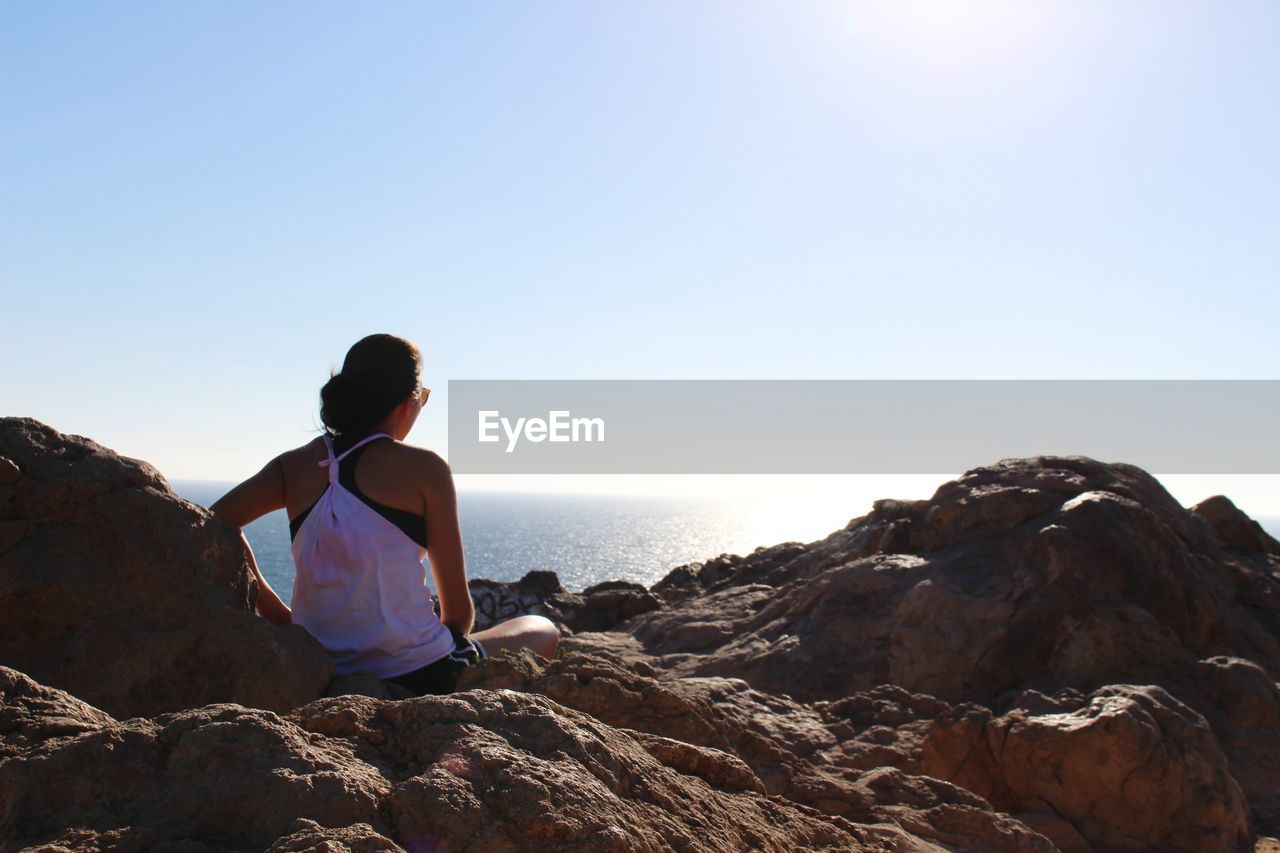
x=361 y=587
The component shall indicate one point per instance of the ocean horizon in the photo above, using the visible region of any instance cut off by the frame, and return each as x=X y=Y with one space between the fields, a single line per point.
x=583 y=538
x=588 y=538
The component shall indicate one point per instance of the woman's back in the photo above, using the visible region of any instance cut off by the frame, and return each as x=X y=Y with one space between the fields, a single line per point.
x=380 y=474
x=361 y=531
x=360 y=586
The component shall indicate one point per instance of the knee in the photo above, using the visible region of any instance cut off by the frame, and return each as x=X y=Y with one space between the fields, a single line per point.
x=546 y=636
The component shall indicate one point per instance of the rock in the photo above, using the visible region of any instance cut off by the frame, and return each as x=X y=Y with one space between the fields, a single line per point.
x=32 y=714
x=1058 y=830
x=308 y=835
x=764 y=565
x=478 y=770
x=128 y=839
x=496 y=601
x=1236 y=530
x=478 y=733
x=223 y=774
x=773 y=736
x=1048 y=652
x=786 y=748
x=1241 y=701
x=1033 y=577
x=946 y=813
x=691 y=579
x=1133 y=768
x=131 y=598
x=1031 y=574
x=603 y=606
x=597 y=608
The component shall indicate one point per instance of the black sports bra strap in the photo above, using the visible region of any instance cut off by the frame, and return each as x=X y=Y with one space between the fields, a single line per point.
x=411 y=524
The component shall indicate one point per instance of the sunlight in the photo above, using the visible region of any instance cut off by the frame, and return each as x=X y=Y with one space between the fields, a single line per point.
x=953 y=33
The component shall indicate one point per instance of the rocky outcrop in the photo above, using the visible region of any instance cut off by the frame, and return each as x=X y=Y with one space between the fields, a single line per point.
x=1040 y=577
x=1040 y=574
x=597 y=608
x=496 y=601
x=603 y=606
x=1241 y=702
x=127 y=596
x=1130 y=767
x=1235 y=530
x=1049 y=653
x=480 y=770
x=787 y=748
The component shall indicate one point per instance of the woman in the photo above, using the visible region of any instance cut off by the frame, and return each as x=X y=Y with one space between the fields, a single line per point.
x=364 y=509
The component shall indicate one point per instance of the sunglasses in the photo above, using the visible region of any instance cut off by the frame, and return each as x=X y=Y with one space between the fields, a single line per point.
x=422 y=395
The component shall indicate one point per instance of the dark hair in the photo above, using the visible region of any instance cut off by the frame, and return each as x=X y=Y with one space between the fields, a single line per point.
x=379 y=372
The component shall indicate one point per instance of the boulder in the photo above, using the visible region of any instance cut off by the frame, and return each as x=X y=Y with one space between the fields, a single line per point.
x=603 y=606
x=1126 y=767
x=496 y=601
x=1235 y=530
x=307 y=836
x=127 y=596
x=597 y=608
x=1048 y=653
x=222 y=774
x=784 y=747
x=1131 y=768
x=1040 y=573
x=32 y=714
x=1241 y=702
x=478 y=770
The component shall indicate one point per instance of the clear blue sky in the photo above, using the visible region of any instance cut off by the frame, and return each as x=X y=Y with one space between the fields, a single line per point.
x=202 y=204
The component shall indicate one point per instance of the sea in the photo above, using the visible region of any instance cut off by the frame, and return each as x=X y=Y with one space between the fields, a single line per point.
x=586 y=539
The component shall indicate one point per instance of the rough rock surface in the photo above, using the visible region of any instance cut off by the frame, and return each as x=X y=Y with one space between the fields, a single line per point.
x=1132 y=768
x=1042 y=573
x=496 y=601
x=1044 y=577
x=127 y=596
x=786 y=748
x=479 y=770
x=1129 y=767
x=1049 y=653
x=596 y=608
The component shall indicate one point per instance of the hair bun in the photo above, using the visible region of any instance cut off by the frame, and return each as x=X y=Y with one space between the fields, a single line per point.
x=380 y=371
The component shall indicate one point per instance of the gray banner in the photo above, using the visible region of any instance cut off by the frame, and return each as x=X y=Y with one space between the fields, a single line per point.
x=663 y=426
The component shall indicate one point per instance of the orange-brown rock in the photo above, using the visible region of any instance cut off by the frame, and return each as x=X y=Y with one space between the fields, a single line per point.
x=127 y=596
x=1047 y=653
x=1131 y=767
x=791 y=749
x=1045 y=574
x=479 y=770
x=1041 y=573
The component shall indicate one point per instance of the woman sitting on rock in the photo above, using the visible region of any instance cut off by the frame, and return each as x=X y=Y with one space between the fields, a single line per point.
x=364 y=509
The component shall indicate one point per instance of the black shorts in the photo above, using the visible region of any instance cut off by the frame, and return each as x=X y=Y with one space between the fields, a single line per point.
x=441 y=677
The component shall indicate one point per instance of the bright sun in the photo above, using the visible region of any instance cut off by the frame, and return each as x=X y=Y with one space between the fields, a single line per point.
x=953 y=32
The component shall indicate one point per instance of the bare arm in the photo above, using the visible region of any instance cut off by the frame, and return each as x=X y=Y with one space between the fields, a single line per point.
x=255 y=497
x=444 y=546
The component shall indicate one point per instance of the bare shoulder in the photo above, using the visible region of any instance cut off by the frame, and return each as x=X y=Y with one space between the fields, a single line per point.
x=307 y=451
x=308 y=455
x=428 y=465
